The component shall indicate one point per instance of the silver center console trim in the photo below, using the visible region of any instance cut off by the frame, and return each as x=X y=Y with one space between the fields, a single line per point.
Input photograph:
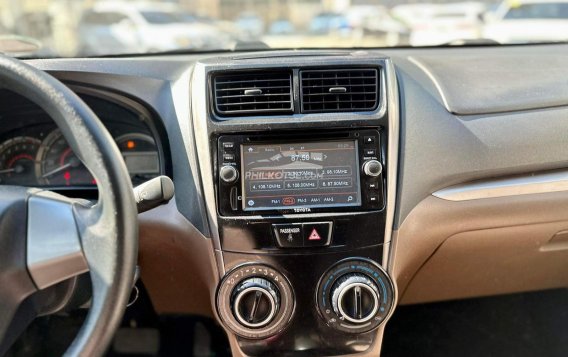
x=392 y=181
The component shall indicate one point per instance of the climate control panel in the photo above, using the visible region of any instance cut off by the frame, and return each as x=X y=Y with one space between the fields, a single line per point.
x=356 y=295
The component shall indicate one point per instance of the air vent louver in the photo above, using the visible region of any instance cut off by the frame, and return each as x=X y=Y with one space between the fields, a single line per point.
x=253 y=93
x=339 y=90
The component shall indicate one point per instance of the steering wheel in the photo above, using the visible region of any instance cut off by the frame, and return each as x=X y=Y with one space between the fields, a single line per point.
x=46 y=238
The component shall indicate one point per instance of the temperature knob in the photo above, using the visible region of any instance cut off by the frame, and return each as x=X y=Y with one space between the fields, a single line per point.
x=228 y=174
x=372 y=168
x=355 y=297
x=255 y=302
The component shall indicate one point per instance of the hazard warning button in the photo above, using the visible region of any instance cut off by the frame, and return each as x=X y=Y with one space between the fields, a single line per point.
x=317 y=234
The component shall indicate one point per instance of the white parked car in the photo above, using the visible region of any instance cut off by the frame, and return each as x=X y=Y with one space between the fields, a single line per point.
x=447 y=23
x=112 y=27
x=528 y=21
x=375 y=20
x=412 y=14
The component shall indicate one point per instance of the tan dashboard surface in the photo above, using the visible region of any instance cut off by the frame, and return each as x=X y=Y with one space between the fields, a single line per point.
x=176 y=266
x=449 y=250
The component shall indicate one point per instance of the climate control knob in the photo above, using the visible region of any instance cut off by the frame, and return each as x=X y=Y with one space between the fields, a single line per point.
x=255 y=302
x=372 y=168
x=228 y=174
x=355 y=297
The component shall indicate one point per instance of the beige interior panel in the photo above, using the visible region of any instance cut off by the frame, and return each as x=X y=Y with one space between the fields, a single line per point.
x=449 y=250
x=176 y=262
x=492 y=261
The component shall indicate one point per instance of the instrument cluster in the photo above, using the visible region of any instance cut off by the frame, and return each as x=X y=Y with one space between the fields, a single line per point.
x=44 y=158
x=33 y=151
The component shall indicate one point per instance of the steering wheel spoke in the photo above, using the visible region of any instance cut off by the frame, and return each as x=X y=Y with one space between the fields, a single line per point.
x=54 y=249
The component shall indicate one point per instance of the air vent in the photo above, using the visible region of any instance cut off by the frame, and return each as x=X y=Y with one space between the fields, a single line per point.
x=339 y=90
x=253 y=93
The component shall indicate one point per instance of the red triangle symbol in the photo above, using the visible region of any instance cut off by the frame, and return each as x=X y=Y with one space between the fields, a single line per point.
x=314 y=235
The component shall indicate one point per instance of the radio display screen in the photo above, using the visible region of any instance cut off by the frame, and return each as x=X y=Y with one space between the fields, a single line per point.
x=300 y=175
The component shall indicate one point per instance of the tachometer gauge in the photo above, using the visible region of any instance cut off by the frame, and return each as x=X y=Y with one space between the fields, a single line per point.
x=140 y=155
x=58 y=166
x=17 y=161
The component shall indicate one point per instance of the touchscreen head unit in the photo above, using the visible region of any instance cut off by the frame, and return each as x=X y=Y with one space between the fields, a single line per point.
x=294 y=175
x=281 y=174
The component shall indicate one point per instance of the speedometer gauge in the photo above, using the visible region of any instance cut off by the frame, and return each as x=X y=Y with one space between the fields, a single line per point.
x=17 y=161
x=59 y=166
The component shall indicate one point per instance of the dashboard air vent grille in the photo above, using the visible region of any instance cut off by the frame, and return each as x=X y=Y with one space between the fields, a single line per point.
x=253 y=93
x=339 y=90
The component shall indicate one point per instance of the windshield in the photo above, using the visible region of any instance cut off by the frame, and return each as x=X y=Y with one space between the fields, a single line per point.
x=68 y=28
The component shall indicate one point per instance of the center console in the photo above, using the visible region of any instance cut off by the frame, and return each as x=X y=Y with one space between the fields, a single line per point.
x=299 y=183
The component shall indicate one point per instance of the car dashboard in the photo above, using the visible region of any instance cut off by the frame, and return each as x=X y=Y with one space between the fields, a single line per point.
x=318 y=189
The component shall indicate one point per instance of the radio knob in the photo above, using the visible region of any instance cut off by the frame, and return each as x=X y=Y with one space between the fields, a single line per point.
x=228 y=174
x=355 y=298
x=255 y=302
x=372 y=168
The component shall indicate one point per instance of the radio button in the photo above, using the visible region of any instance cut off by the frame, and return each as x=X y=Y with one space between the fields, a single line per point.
x=228 y=157
x=317 y=234
x=288 y=235
x=228 y=146
x=372 y=168
x=369 y=140
x=374 y=199
x=228 y=174
x=373 y=185
x=370 y=152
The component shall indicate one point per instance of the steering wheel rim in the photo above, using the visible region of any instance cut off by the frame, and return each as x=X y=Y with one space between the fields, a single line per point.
x=107 y=231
